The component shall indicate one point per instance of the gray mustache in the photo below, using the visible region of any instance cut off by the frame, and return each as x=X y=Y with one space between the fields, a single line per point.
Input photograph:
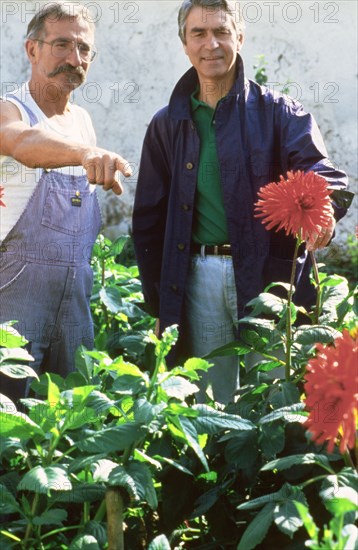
x=68 y=69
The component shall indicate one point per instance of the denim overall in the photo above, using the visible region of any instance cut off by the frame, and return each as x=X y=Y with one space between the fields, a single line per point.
x=45 y=275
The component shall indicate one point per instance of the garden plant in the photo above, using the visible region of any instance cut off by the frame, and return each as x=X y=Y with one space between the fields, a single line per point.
x=119 y=455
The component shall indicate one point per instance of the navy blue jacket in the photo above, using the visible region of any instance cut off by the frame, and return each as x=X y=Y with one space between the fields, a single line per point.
x=260 y=135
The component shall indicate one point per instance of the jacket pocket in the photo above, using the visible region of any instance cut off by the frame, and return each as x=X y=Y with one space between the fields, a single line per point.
x=66 y=212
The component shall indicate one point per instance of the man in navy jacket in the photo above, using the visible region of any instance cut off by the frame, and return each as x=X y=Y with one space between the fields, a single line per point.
x=201 y=253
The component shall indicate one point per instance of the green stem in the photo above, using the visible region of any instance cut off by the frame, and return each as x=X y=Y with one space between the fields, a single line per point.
x=289 y=312
x=29 y=527
x=319 y=290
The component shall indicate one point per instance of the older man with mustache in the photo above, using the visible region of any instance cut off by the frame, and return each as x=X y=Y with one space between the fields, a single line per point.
x=50 y=215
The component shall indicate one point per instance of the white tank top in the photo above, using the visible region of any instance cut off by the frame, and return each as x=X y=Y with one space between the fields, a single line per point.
x=18 y=182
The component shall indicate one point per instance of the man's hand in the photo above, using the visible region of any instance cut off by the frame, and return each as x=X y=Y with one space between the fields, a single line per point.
x=322 y=237
x=102 y=168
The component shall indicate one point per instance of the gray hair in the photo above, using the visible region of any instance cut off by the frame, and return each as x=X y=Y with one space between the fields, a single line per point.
x=56 y=11
x=227 y=6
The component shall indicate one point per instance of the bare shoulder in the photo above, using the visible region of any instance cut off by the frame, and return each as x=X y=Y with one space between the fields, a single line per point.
x=9 y=112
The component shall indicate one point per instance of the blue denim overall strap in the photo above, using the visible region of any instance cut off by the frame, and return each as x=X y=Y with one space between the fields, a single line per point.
x=45 y=275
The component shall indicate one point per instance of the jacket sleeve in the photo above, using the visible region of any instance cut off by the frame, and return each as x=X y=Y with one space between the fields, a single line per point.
x=302 y=148
x=150 y=210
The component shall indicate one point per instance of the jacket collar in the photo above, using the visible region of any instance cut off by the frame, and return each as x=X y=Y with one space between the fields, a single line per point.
x=179 y=104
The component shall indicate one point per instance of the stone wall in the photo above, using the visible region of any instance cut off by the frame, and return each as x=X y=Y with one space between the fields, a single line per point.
x=309 y=44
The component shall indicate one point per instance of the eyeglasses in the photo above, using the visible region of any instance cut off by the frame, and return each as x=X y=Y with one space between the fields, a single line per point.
x=62 y=48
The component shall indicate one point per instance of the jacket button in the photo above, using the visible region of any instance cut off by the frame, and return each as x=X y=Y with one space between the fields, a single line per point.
x=174 y=288
x=185 y=207
x=181 y=246
x=189 y=165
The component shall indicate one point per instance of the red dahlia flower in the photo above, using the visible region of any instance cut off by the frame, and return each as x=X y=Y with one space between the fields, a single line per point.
x=300 y=203
x=1 y=195
x=331 y=392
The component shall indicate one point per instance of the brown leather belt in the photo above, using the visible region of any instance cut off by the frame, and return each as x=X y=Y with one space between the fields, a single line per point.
x=215 y=250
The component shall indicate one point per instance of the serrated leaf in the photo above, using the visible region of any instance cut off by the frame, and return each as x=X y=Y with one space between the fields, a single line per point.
x=272 y=439
x=308 y=335
x=267 y=303
x=143 y=480
x=44 y=480
x=117 y=438
x=258 y=528
x=339 y=506
x=297 y=460
x=211 y=421
x=242 y=449
x=289 y=414
x=191 y=436
x=287 y=518
x=119 y=477
x=233 y=348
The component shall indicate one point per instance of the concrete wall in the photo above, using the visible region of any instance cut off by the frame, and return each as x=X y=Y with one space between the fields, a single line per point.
x=311 y=44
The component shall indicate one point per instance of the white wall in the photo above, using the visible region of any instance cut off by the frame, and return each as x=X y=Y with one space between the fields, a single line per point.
x=310 y=43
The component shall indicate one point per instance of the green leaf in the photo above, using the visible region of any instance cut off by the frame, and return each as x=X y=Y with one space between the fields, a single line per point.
x=44 y=480
x=84 y=542
x=272 y=439
x=211 y=421
x=108 y=440
x=339 y=506
x=258 y=528
x=307 y=519
x=81 y=463
x=8 y=503
x=143 y=480
x=178 y=387
x=102 y=470
x=297 y=460
x=159 y=543
x=10 y=337
x=267 y=304
x=18 y=425
x=83 y=492
x=287 y=517
x=118 y=245
x=17 y=371
x=285 y=395
x=242 y=449
x=6 y=405
x=56 y=516
x=233 y=348
x=84 y=363
x=119 y=477
x=191 y=437
x=16 y=354
x=53 y=391
x=111 y=298
x=308 y=335
x=289 y=414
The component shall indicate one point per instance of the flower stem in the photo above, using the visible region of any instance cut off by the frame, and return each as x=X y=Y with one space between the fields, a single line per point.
x=289 y=312
x=319 y=290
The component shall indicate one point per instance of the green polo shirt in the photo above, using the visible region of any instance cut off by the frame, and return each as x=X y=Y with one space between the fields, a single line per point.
x=210 y=225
